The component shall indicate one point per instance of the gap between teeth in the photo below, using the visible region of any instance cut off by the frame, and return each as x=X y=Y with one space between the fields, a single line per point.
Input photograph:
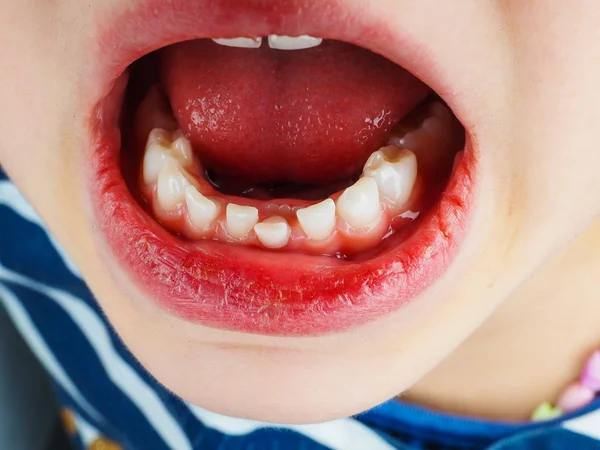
x=386 y=184
x=274 y=41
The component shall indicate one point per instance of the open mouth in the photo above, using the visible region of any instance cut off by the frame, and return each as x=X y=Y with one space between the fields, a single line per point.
x=277 y=178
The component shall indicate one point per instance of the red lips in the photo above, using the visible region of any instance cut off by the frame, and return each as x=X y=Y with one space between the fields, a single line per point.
x=245 y=289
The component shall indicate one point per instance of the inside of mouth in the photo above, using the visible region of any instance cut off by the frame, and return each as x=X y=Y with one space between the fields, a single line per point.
x=330 y=150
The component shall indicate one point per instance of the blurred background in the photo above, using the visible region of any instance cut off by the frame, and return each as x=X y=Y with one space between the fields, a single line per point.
x=28 y=412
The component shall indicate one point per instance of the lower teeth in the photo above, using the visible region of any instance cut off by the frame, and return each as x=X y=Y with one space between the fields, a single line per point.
x=182 y=198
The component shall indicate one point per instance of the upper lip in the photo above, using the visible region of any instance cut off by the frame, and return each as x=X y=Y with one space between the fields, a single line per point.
x=200 y=282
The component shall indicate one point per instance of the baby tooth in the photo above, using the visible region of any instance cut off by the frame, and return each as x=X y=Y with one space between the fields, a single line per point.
x=395 y=177
x=155 y=158
x=240 y=42
x=318 y=220
x=359 y=204
x=240 y=220
x=158 y=135
x=374 y=160
x=293 y=43
x=274 y=232
x=201 y=210
x=182 y=151
x=171 y=186
x=160 y=149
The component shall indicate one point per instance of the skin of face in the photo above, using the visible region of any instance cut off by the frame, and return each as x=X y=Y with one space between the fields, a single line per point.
x=526 y=75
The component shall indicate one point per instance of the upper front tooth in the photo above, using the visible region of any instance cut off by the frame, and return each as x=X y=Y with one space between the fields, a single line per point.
x=171 y=186
x=395 y=175
x=201 y=210
x=359 y=204
x=240 y=220
x=240 y=42
x=317 y=221
x=293 y=43
x=274 y=232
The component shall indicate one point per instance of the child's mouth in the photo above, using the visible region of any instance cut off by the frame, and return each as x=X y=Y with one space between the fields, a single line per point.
x=279 y=186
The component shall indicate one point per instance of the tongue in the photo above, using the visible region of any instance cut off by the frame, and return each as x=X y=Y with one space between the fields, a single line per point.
x=271 y=116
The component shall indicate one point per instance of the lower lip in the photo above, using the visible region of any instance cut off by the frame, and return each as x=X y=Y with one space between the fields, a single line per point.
x=241 y=289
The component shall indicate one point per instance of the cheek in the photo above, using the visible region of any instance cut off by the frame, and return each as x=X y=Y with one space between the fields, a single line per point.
x=39 y=115
x=28 y=89
x=556 y=158
x=22 y=124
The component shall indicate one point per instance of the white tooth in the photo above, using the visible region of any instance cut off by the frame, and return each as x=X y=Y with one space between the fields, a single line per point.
x=241 y=42
x=160 y=149
x=374 y=160
x=201 y=210
x=240 y=220
x=395 y=175
x=158 y=135
x=318 y=220
x=155 y=158
x=359 y=204
x=293 y=43
x=273 y=232
x=171 y=186
x=181 y=150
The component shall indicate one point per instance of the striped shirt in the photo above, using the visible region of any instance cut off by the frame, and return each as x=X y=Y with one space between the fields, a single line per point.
x=108 y=398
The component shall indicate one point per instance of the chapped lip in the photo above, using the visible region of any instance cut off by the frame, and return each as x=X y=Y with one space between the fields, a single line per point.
x=231 y=287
